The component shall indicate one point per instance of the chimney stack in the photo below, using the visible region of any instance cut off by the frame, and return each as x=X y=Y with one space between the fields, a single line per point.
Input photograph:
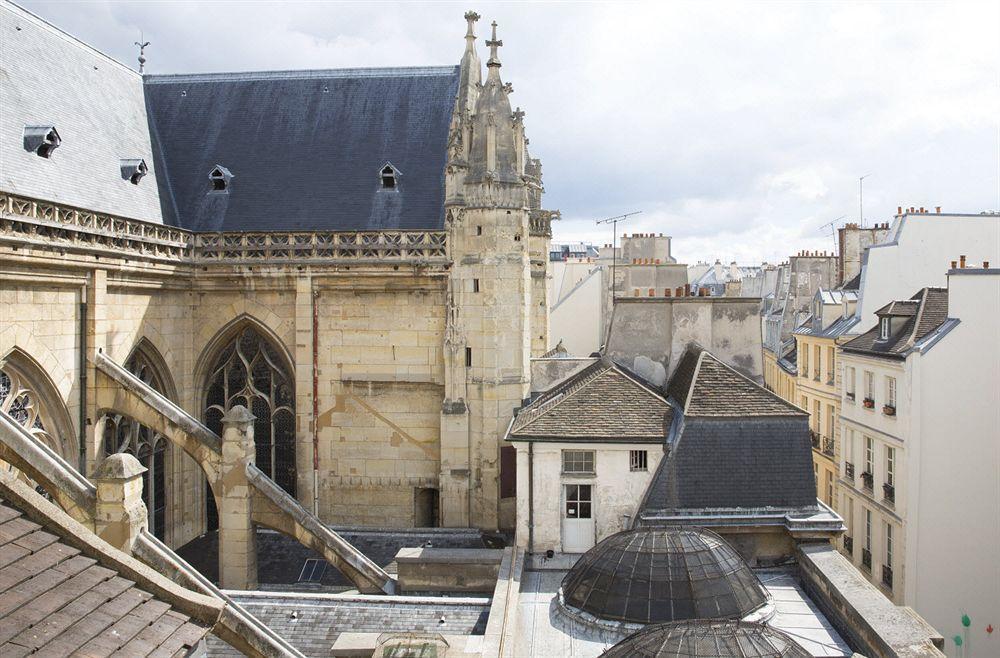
x=652 y=292
x=899 y=210
x=687 y=289
x=679 y=291
x=954 y=264
x=937 y=209
x=986 y=264
x=666 y=292
x=961 y=261
x=635 y=292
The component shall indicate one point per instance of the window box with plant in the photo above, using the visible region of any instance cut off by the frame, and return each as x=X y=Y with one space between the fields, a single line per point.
x=889 y=410
x=869 y=403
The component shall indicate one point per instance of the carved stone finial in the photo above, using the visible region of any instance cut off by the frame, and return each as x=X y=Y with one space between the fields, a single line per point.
x=518 y=115
x=508 y=88
x=471 y=17
x=494 y=43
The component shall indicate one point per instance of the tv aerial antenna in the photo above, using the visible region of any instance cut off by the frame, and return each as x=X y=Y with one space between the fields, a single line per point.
x=832 y=225
x=614 y=243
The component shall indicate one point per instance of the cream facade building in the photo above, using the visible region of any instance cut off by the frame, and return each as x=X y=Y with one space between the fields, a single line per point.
x=376 y=310
x=921 y=453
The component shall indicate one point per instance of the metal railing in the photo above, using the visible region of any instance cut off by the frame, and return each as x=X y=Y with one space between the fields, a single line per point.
x=889 y=491
x=849 y=470
x=868 y=480
x=886 y=576
x=866 y=558
x=828 y=447
x=849 y=544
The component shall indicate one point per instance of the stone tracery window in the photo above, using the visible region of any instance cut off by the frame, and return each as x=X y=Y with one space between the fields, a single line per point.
x=249 y=371
x=124 y=434
x=20 y=402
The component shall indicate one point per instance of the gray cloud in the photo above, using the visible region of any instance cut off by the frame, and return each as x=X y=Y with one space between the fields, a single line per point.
x=739 y=129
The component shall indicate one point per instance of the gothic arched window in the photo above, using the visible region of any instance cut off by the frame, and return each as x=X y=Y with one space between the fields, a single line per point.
x=21 y=403
x=249 y=371
x=124 y=434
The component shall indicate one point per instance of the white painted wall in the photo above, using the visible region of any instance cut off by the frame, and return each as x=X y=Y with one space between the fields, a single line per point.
x=919 y=252
x=576 y=319
x=617 y=491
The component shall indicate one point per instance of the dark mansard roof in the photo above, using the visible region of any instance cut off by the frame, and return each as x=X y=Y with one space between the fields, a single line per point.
x=700 y=639
x=924 y=312
x=305 y=148
x=656 y=575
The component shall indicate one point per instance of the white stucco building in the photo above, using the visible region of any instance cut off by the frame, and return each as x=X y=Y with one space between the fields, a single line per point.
x=921 y=451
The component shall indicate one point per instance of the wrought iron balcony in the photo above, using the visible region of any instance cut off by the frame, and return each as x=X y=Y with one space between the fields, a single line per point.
x=816 y=375
x=849 y=470
x=814 y=436
x=828 y=447
x=868 y=480
x=849 y=544
x=886 y=576
x=890 y=492
x=866 y=559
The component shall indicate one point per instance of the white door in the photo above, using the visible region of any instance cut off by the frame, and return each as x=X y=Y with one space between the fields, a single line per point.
x=578 y=519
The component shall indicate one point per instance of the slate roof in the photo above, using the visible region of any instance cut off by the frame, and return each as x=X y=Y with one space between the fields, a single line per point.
x=305 y=148
x=925 y=311
x=603 y=402
x=56 y=601
x=737 y=462
x=704 y=386
x=853 y=284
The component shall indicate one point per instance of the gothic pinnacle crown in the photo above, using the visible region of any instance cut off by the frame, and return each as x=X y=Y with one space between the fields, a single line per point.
x=471 y=17
x=494 y=43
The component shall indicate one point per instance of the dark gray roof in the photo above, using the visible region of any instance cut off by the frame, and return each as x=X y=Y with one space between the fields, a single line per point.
x=736 y=463
x=697 y=639
x=924 y=312
x=305 y=148
x=603 y=402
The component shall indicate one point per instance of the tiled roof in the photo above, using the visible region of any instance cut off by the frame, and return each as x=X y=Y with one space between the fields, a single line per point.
x=736 y=463
x=305 y=148
x=925 y=311
x=56 y=601
x=602 y=402
x=853 y=284
x=704 y=386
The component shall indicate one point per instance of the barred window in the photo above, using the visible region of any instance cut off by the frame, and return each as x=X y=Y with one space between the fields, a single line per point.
x=578 y=461
x=638 y=460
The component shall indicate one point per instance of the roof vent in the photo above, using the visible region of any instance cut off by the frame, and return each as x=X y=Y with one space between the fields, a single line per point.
x=41 y=140
x=220 y=177
x=134 y=170
x=389 y=176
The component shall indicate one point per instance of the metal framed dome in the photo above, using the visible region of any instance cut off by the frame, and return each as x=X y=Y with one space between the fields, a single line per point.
x=663 y=574
x=708 y=639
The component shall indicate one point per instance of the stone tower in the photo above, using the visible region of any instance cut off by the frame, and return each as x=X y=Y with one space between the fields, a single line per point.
x=489 y=339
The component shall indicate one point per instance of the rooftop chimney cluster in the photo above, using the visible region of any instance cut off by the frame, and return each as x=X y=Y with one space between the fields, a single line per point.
x=814 y=254
x=642 y=235
x=960 y=264
x=645 y=261
x=917 y=211
x=680 y=291
x=854 y=225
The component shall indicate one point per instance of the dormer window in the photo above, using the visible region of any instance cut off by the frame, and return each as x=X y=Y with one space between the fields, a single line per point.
x=219 y=177
x=389 y=176
x=41 y=140
x=133 y=170
x=884 y=328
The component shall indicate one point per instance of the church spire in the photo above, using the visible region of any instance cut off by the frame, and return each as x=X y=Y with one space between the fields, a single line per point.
x=470 y=35
x=493 y=64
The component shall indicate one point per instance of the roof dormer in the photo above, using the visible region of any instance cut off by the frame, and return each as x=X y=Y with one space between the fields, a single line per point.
x=219 y=178
x=133 y=170
x=389 y=176
x=41 y=140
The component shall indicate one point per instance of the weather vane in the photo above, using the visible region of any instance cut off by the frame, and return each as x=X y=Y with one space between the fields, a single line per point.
x=142 y=51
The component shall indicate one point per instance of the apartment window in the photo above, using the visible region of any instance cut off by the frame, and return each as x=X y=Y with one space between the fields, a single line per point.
x=638 y=460
x=887 y=565
x=817 y=357
x=867 y=476
x=829 y=488
x=869 y=389
x=829 y=365
x=816 y=416
x=890 y=466
x=578 y=501
x=805 y=403
x=890 y=392
x=883 y=329
x=804 y=348
x=578 y=461
x=468 y=357
x=868 y=529
x=830 y=413
x=849 y=382
x=475 y=285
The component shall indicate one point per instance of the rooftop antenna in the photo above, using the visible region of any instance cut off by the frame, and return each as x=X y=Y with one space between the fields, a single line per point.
x=142 y=43
x=614 y=241
x=861 y=199
x=833 y=230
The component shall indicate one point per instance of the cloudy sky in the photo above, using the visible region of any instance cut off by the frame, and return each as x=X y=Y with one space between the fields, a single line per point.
x=739 y=129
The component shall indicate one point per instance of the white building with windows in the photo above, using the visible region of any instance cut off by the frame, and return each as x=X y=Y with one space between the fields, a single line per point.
x=920 y=452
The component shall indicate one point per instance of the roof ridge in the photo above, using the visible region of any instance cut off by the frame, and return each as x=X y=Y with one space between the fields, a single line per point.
x=302 y=74
x=922 y=302
x=694 y=380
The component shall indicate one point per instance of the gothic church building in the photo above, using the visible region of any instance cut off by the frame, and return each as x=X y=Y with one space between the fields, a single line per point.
x=357 y=256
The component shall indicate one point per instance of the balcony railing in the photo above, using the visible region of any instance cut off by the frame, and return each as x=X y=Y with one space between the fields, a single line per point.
x=866 y=559
x=816 y=375
x=814 y=436
x=828 y=447
x=889 y=410
x=869 y=403
x=849 y=470
x=868 y=480
x=849 y=396
x=890 y=492
x=849 y=544
x=886 y=576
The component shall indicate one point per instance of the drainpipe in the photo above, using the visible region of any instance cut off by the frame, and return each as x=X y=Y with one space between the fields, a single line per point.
x=531 y=497
x=83 y=382
x=315 y=398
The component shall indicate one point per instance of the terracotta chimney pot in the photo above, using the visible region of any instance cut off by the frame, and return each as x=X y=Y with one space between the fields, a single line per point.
x=986 y=264
x=652 y=292
x=954 y=264
x=937 y=209
x=961 y=261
